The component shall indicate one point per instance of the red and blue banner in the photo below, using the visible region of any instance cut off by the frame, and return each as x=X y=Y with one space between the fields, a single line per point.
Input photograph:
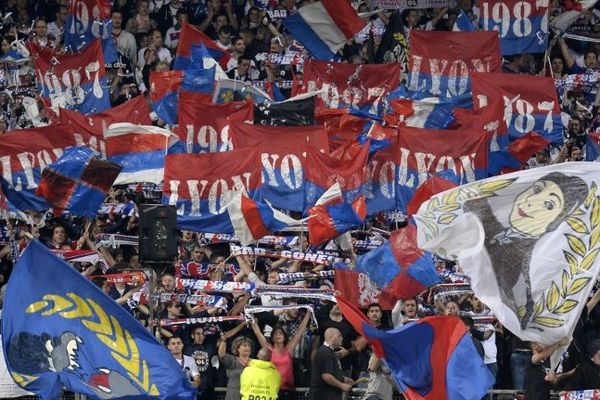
x=140 y=150
x=283 y=158
x=324 y=26
x=521 y=24
x=461 y=155
x=199 y=184
x=323 y=170
x=348 y=85
x=530 y=104
x=77 y=182
x=72 y=81
x=382 y=168
x=204 y=127
x=357 y=286
x=89 y=20
x=432 y=358
x=191 y=36
x=399 y=266
x=441 y=63
x=165 y=89
x=25 y=153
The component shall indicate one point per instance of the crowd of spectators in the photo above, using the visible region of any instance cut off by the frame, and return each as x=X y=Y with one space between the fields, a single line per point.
x=216 y=354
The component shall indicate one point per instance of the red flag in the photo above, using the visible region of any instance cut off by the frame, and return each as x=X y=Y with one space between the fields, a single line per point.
x=358 y=287
x=527 y=145
x=430 y=187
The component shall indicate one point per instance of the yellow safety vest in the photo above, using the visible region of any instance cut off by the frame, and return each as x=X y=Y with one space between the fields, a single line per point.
x=260 y=380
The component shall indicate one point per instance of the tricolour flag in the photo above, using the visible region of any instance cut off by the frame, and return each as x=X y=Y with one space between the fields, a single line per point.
x=72 y=81
x=253 y=220
x=191 y=36
x=140 y=150
x=78 y=181
x=332 y=216
x=72 y=335
x=432 y=358
x=324 y=26
x=529 y=241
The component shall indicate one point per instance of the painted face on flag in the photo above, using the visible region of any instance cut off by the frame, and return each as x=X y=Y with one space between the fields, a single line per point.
x=537 y=207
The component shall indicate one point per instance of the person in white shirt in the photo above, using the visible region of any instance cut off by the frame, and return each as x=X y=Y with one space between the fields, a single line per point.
x=56 y=28
x=172 y=35
x=187 y=363
x=124 y=40
x=155 y=42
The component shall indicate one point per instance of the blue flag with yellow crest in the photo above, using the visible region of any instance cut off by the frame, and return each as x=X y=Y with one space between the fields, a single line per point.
x=60 y=330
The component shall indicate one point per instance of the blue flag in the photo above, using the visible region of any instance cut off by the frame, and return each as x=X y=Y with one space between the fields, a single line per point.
x=67 y=333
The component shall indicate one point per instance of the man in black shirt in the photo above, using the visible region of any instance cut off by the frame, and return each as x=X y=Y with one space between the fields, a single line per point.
x=327 y=380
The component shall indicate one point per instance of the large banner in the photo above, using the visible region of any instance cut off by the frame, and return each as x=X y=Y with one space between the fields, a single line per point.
x=199 y=184
x=460 y=155
x=72 y=81
x=521 y=24
x=283 y=158
x=89 y=20
x=440 y=63
x=380 y=188
x=23 y=156
x=348 y=85
x=530 y=103
x=135 y=111
x=204 y=127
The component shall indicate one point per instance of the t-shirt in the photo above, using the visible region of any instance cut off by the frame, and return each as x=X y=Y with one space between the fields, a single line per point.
x=348 y=333
x=188 y=366
x=202 y=355
x=325 y=362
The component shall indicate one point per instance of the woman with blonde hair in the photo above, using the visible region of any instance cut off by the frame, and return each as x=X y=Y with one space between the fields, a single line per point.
x=241 y=347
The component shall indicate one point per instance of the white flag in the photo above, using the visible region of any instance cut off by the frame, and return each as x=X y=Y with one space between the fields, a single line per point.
x=529 y=241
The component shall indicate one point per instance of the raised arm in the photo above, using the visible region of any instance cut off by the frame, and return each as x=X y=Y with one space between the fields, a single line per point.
x=299 y=332
x=259 y=335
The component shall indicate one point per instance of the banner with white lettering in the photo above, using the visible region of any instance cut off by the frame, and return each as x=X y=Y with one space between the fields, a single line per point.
x=204 y=127
x=348 y=85
x=530 y=104
x=380 y=188
x=521 y=24
x=460 y=154
x=440 y=63
x=416 y=4
x=199 y=184
x=283 y=158
x=72 y=81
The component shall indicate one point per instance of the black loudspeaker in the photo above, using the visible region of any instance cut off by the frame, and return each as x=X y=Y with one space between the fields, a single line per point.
x=158 y=233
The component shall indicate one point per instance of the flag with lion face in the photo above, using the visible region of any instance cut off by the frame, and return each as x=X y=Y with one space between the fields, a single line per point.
x=529 y=241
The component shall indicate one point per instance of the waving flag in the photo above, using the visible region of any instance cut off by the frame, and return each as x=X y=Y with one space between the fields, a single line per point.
x=89 y=20
x=228 y=90
x=429 y=112
x=432 y=358
x=140 y=150
x=331 y=216
x=348 y=85
x=253 y=220
x=529 y=241
x=382 y=172
x=296 y=111
x=463 y=23
x=135 y=111
x=324 y=26
x=517 y=154
x=592 y=147
x=199 y=185
x=283 y=157
x=424 y=152
x=72 y=81
x=522 y=25
x=77 y=182
x=204 y=126
x=74 y=336
x=530 y=103
x=399 y=266
x=323 y=170
x=26 y=153
x=191 y=36
x=433 y=185
x=358 y=287
x=440 y=63
x=165 y=88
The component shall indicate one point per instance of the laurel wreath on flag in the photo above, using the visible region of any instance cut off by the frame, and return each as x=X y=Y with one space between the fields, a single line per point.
x=107 y=328
x=580 y=257
x=557 y=300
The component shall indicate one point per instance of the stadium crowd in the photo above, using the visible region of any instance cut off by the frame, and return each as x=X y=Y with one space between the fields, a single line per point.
x=303 y=353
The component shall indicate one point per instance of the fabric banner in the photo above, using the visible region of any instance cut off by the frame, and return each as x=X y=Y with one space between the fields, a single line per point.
x=360 y=288
x=204 y=127
x=283 y=157
x=441 y=63
x=285 y=278
x=530 y=103
x=587 y=83
x=413 y=4
x=285 y=241
x=72 y=81
x=193 y=269
x=201 y=320
x=199 y=184
x=593 y=394
x=529 y=241
x=347 y=85
x=459 y=154
x=521 y=24
x=294 y=255
x=213 y=286
x=380 y=187
x=89 y=20
x=135 y=111
x=228 y=90
x=584 y=32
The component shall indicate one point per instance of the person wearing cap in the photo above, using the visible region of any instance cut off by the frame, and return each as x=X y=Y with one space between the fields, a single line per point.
x=585 y=376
